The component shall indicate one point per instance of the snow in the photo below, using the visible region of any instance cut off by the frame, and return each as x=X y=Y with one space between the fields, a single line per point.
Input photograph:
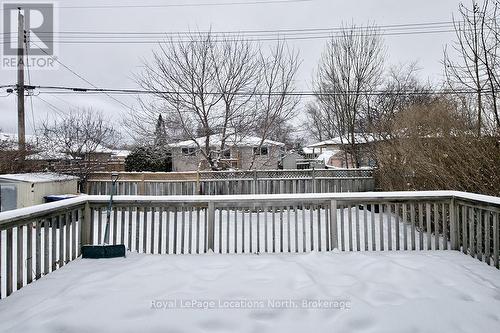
x=372 y=292
x=121 y=152
x=327 y=154
x=48 y=155
x=41 y=177
x=359 y=138
x=367 y=196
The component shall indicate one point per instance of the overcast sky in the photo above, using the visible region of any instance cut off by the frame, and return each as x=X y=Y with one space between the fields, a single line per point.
x=114 y=65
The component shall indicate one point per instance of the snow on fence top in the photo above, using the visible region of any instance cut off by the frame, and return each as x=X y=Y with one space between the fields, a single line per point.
x=23 y=213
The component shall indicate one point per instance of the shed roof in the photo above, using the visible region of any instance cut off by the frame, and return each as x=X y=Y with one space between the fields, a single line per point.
x=41 y=177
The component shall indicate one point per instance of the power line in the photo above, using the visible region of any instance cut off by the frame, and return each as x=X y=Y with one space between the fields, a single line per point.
x=79 y=90
x=80 y=76
x=208 y=4
x=138 y=40
x=52 y=106
x=400 y=26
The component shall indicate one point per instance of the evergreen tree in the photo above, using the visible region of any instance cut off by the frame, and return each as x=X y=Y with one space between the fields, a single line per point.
x=160 y=139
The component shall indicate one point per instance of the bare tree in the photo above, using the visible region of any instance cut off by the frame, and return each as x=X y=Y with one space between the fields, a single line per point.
x=275 y=105
x=205 y=85
x=351 y=67
x=476 y=66
x=78 y=137
x=318 y=122
x=216 y=84
x=490 y=43
x=400 y=89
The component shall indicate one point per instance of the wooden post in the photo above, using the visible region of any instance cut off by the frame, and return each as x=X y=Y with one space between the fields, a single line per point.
x=86 y=237
x=21 y=131
x=313 y=181
x=453 y=226
x=210 y=226
x=255 y=185
x=198 y=188
x=141 y=187
x=333 y=225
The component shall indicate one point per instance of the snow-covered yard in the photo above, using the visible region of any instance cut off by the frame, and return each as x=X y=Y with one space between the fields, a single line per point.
x=438 y=291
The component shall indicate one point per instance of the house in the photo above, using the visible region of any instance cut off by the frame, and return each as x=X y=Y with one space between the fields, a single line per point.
x=336 y=159
x=290 y=160
x=296 y=161
x=239 y=153
x=54 y=156
x=339 y=152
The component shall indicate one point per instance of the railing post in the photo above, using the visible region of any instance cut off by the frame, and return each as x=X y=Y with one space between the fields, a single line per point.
x=313 y=176
x=453 y=226
x=255 y=186
x=85 y=227
x=210 y=226
x=333 y=225
x=198 y=187
x=141 y=187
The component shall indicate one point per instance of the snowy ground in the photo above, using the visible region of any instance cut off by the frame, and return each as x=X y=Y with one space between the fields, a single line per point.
x=437 y=291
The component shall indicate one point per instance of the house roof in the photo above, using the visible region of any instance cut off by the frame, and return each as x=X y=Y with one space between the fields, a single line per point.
x=359 y=138
x=327 y=154
x=9 y=140
x=56 y=150
x=41 y=177
x=232 y=140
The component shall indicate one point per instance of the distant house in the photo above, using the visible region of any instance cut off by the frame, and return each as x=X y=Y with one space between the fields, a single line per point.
x=239 y=153
x=296 y=161
x=335 y=152
x=335 y=159
x=290 y=160
x=52 y=157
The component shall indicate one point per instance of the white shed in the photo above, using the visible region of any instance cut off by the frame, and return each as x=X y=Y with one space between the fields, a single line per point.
x=289 y=161
x=29 y=189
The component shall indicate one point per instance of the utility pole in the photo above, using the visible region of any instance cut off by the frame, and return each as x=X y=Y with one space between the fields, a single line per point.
x=21 y=130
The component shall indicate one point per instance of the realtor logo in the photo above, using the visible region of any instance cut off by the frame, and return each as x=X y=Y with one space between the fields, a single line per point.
x=39 y=30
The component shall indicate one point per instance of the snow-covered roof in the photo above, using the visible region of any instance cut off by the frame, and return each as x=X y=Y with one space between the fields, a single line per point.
x=40 y=177
x=120 y=152
x=327 y=154
x=307 y=150
x=13 y=137
x=48 y=155
x=52 y=149
x=359 y=138
x=231 y=141
x=9 y=140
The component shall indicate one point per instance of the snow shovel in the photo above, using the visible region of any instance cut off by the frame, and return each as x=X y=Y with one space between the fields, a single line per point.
x=105 y=250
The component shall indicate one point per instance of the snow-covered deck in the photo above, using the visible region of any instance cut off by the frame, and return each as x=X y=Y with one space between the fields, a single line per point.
x=439 y=291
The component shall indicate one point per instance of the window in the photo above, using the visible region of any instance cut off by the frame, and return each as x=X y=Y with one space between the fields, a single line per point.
x=188 y=151
x=226 y=154
x=262 y=151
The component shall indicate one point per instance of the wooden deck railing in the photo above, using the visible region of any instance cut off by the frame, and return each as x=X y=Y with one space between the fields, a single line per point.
x=38 y=240
x=234 y=182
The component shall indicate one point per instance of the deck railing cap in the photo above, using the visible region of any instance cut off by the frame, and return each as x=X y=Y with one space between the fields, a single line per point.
x=44 y=209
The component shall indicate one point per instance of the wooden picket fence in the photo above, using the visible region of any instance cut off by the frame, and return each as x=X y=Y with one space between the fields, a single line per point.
x=234 y=182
